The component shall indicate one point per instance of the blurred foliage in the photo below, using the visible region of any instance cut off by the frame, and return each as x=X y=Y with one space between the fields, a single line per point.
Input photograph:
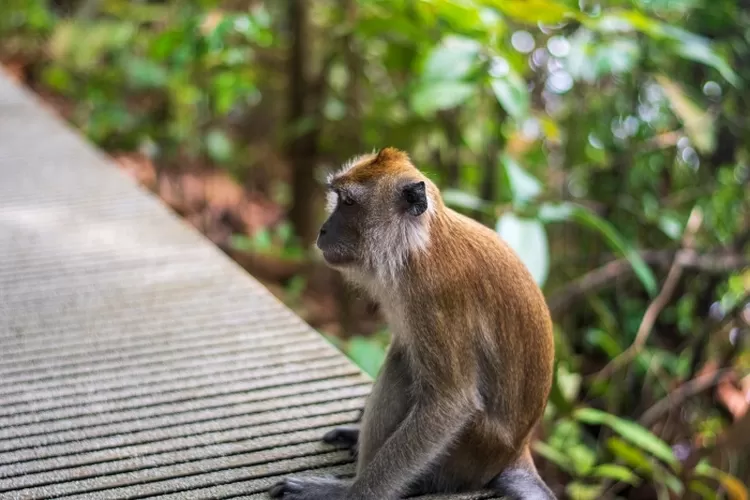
x=583 y=132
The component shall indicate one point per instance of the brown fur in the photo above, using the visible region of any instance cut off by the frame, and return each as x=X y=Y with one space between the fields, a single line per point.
x=482 y=283
x=469 y=370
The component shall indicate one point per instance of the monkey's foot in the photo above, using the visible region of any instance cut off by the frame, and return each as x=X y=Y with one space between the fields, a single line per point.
x=309 y=488
x=345 y=436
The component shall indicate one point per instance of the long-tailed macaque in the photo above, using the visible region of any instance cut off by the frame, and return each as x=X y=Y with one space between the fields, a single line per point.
x=469 y=369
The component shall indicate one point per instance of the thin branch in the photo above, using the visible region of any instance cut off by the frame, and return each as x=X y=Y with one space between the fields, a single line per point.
x=682 y=393
x=711 y=328
x=659 y=303
x=604 y=276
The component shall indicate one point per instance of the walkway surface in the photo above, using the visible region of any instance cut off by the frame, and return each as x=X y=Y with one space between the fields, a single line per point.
x=136 y=359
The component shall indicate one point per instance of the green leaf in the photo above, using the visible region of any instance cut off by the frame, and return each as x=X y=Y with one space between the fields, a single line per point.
x=549 y=212
x=631 y=431
x=56 y=77
x=583 y=491
x=165 y=44
x=591 y=58
x=241 y=242
x=553 y=455
x=616 y=472
x=457 y=198
x=569 y=383
x=702 y=489
x=558 y=396
x=667 y=7
x=144 y=73
x=82 y=44
x=618 y=57
x=462 y=17
x=604 y=341
x=670 y=226
x=533 y=12
x=699 y=50
x=262 y=239
x=734 y=487
x=685 y=44
x=523 y=185
x=512 y=94
x=583 y=458
x=219 y=146
x=630 y=455
x=673 y=482
x=698 y=123
x=452 y=60
x=431 y=97
x=367 y=353
x=529 y=240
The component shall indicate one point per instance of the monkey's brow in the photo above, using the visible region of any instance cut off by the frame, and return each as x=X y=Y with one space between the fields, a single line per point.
x=346 y=188
x=334 y=188
x=337 y=187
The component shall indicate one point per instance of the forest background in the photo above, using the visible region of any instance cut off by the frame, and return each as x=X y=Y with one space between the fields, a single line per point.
x=608 y=142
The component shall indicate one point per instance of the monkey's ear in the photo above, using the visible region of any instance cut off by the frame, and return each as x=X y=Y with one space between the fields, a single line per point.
x=414 y=198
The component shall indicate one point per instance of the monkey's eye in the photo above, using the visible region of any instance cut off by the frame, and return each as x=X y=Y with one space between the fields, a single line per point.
x=346 y=200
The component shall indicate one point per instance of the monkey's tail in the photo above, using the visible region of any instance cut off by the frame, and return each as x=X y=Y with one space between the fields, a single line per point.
x=521 y=483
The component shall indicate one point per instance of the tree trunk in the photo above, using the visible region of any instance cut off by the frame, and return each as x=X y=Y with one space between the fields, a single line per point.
x=302 y=145
x=449 y=120
x=495 y=146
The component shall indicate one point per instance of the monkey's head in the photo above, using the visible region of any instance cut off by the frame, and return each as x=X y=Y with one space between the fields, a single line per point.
x=380 y=210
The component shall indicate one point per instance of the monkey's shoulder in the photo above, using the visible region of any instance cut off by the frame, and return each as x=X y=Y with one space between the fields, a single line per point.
x=473 y=270
x=471 y=250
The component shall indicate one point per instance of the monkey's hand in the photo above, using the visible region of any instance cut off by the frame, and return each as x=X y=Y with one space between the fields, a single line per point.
x=424 y=434
x=310 y=488
x=345 y=436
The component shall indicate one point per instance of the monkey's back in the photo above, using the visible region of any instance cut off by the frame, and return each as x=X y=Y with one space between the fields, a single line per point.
x=507 y=331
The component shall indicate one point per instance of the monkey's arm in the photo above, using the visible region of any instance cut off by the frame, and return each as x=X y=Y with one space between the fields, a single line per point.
x=425 y=433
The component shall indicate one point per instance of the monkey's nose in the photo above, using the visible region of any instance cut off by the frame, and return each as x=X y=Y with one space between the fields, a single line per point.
x=321 y=235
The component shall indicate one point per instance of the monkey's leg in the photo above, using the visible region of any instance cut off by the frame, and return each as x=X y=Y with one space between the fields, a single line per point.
x=413 y=448
x=388 y=403
x=387 y=406
x=426 y=432
x=521 y=481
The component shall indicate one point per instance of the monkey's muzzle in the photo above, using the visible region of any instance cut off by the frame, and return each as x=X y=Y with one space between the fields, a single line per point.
x=333 y=251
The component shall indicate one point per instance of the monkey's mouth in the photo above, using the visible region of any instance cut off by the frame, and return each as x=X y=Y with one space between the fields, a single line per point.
x=335 y=258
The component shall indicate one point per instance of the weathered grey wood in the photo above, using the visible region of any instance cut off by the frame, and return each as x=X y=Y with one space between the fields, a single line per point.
x=136 y=359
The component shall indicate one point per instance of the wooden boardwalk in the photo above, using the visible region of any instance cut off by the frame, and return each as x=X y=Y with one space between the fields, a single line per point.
x=136 y=359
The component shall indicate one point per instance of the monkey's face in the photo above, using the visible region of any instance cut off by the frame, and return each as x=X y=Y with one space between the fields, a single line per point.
x=376 y=217
x=340 y=237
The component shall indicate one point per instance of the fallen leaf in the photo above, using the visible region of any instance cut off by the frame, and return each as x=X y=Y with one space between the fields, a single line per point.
x=15 y=71
x=733 y=398
x=137 y=166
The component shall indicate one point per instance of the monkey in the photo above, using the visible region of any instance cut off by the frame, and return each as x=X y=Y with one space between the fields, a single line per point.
x=346 y=436
x=468 y=371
